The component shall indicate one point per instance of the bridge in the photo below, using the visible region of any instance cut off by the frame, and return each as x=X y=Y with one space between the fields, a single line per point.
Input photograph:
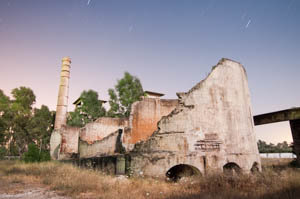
x=292 y=115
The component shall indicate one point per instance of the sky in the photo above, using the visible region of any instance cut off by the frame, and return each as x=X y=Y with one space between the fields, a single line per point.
x=169 y=45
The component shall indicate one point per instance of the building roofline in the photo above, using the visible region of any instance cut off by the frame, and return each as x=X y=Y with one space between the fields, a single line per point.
x=78 y=101
x=154 y=93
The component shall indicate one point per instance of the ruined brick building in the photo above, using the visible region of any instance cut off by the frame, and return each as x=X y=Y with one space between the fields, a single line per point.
x=209 y=128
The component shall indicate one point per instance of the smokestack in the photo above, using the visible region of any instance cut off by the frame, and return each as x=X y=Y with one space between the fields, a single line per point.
x=62 y=102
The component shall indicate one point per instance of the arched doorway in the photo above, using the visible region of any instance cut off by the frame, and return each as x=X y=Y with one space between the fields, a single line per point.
x=231 y=168
x=182 y=170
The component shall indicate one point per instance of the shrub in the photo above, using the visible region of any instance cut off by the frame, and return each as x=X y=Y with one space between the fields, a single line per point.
x=3 y=152
x=35 y=155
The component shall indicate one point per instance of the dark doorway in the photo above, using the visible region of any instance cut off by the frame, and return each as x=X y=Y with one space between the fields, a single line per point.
x=182 y=170
x=231 y=169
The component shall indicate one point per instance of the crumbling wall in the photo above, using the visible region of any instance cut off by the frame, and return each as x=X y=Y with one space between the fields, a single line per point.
x=144 y=117
x=212 y=126
x=101 y=128
x=100 y=138
x=108 y=146
x=64 y=143
x=69 y=142
x=97 y=138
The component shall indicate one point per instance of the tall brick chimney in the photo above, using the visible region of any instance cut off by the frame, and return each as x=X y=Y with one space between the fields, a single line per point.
x=63 y=94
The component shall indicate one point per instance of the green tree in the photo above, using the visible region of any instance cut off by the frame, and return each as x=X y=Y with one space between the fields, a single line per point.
x=3 y=152
x=21 y=110
x=21 y=125
x=283 y=147
x=127 y=90
x=5 y=117
x=262 y=146
x=90 y=109
x=41 y=125
x=34 y=154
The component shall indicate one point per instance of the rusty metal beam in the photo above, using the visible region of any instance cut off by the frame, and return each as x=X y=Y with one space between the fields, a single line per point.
x=279 y=116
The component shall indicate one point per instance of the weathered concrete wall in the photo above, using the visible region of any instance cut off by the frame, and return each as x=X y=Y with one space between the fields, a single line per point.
x=101 y=128
x=108 y=146
x=98 y=139
x=144 y=117
x=212 y=126
x=69 y=142
x=55 y=143
x=64 y=143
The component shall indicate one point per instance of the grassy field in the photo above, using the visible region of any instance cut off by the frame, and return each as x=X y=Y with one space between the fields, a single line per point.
x=277 y=181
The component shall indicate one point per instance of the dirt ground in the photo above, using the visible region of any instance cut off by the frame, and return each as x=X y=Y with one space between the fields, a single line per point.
x=15 y=189
x=37 y=193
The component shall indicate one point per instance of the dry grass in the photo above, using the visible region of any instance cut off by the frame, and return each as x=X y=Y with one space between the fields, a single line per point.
x=276 y=181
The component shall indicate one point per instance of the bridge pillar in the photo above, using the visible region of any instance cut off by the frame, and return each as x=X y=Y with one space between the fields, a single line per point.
x=295 y=127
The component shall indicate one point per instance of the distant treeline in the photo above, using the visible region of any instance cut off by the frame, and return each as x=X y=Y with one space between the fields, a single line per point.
x=282 y=147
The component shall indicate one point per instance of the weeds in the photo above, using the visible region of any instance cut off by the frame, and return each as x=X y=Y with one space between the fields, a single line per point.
x=282 y=182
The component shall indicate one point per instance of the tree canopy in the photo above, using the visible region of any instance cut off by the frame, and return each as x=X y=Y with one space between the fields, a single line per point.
x=21 y=124
x=89 y=110
x=127 y=90
x=4 y=116
x=21 y=110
